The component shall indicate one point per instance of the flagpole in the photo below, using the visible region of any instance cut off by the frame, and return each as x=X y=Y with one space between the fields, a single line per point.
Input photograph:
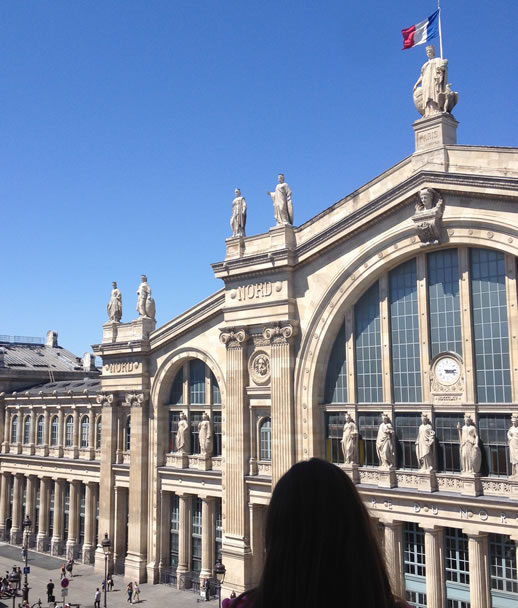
x=440 y=29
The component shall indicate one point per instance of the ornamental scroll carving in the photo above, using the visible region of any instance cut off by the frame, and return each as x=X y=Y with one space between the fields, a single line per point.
x=105 y=399
x=278 y=334
x=233 y=338
x=134 y=399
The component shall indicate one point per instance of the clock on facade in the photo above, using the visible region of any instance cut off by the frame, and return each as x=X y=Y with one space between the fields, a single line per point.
x=447 y=370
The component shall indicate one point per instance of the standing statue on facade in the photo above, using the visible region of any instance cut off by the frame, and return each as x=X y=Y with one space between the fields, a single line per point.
x=434 y=96
x=238 y=219
x=350 y=441
x=512 y=438
x=385 y=444
x=115 y=305
x=205 y=435
x=424 y=444
x=145 y=303
x=183 y=435
x=470 y=455
x=282 y=204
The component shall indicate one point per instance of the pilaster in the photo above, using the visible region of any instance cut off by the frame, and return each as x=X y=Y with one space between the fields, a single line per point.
x=42 y=540
x=135 y=563
x=56 y=542
x=207 y=536
x=16 y=527
x=257 y=522
x=90 y=509
x=7 y=431
x=73 y=520
x=433 y=540
x=394 y=556
x=478 y=570
x=5 y=493
x=30 y=495
x=184 y=515
x=163 y=531
x=121 y=528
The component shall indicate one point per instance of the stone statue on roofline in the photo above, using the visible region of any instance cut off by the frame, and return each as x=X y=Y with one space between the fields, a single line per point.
x=115 y=304
x=435 y=95
x=145 y=303
x=238 y=219
x=282 y=203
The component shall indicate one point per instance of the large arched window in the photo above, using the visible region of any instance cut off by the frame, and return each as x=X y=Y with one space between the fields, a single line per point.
x=54 y=426
x=448 y=303
x=27 y=430
x=98 y=429
x=69 y=431
x=196 y=390
x=14 y=428
x=127 y=434
x=85 y=428
x=265 y=439
x=40 y=428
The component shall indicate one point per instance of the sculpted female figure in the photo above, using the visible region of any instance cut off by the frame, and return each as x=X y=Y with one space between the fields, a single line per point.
x=512 y=437
x=470 y=456
x=183 y=436
x=384 y=443
x=424 y=444
x=349 y=440
x=238 y=219
x=115 y=305
x=433 y=79
x=205 y=435
x=282 y=205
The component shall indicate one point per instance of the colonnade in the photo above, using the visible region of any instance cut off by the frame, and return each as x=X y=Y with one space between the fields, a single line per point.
x=48 y=520
x=392 y=540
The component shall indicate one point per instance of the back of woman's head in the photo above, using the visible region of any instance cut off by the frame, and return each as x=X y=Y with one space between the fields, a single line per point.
x=320 y=546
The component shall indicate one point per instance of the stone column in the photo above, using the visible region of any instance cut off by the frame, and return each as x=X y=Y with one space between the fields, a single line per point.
x=106 y=481
x=17 y=517
x=184 y=534
x=282 y=408
x=394 y=556
x=121 y=528
x=207 y=536
x=60 y=432
x=478 y=555
x=46 y=439
x=30 y=495
x=136 y=559
x=73 y=520
x=433 y=539
x=56 y=542
x=163 y=532
x=5 y=497
x=235 y=547
x=42 y=540
x=257 y=521
x=75 y=433
x=3 y=418
x=19 y=428
x=34 y=424
x=91 y=433
x=89 y=540
x=7 y=431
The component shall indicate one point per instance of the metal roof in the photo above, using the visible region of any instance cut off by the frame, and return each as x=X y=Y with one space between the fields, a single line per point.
x=40 y=357
x=86 y=385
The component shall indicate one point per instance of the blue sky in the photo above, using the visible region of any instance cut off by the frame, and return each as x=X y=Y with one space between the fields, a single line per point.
x=126 y=125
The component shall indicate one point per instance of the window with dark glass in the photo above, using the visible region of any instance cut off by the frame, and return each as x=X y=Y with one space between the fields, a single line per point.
x=196 y=418
x=196 y=381
x=368 y=425
x=98 y=435
x=85 y=427
x=66 y=508
x=216 y=425
x=82 y=504
x=490 y=327
x=456 y=562
x=196 y=536
x=335 y=426
x=407 y=428
x=336 y=376
x=219 y=529
x=52 y=495
x=404 y=333
x=40 y=427
x=174 y=417
x=69 y=431
x=14 y=428
x=447 y=442
x=127 y=434
x=418 y=600
x=369 y=386
x=216 y=393
x=27 y=430
x=444 y=302
x=414 y=556
x=492 y=431
x=265 y=440
x=54 y=424
x=176 y=397
x=502 y=560
x=174 y=530
x=36 y=524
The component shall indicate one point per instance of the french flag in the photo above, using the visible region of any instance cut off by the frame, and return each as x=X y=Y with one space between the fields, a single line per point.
x=421 y=32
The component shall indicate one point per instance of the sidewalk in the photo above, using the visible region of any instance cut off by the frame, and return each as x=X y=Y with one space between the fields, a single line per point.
x=81 y=589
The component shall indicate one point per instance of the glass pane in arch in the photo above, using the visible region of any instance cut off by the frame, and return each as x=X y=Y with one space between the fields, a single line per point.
x=444 y=302
x=14 y=428
x=197 y=381
x=85 y=427
x=369 y=387
x=265 y=440
x=54 y=431
x=336 y=375
x=69 y=431
x=404 y=330
x=39 y=430
x=98 y=433
x=490 y=329
x=27 y=430
x=176 y=397
x=216 y=393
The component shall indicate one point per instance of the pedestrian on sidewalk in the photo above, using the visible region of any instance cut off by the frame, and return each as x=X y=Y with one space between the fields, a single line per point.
x=63 y=571
x=50 y=591
x=109 y=583
x=97 y=598
x=136 y=593
x=129 y=590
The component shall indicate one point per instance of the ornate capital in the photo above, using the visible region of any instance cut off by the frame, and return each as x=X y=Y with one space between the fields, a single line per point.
x=134 y=399
x=233 y=337
x=279 y=334
x=105 y=399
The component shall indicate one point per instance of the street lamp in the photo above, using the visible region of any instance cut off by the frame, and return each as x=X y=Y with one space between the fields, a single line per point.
x=106 y=545
x=220 y=571
x=27 y=523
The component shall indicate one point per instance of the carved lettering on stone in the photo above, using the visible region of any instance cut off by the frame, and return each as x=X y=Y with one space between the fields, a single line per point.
x=121 y=367
x=253 y=291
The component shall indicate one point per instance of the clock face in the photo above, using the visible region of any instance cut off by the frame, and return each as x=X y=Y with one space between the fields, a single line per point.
x=447 y=370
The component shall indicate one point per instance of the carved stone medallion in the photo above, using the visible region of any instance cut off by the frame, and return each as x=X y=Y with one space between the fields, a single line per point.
x=259 y=367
